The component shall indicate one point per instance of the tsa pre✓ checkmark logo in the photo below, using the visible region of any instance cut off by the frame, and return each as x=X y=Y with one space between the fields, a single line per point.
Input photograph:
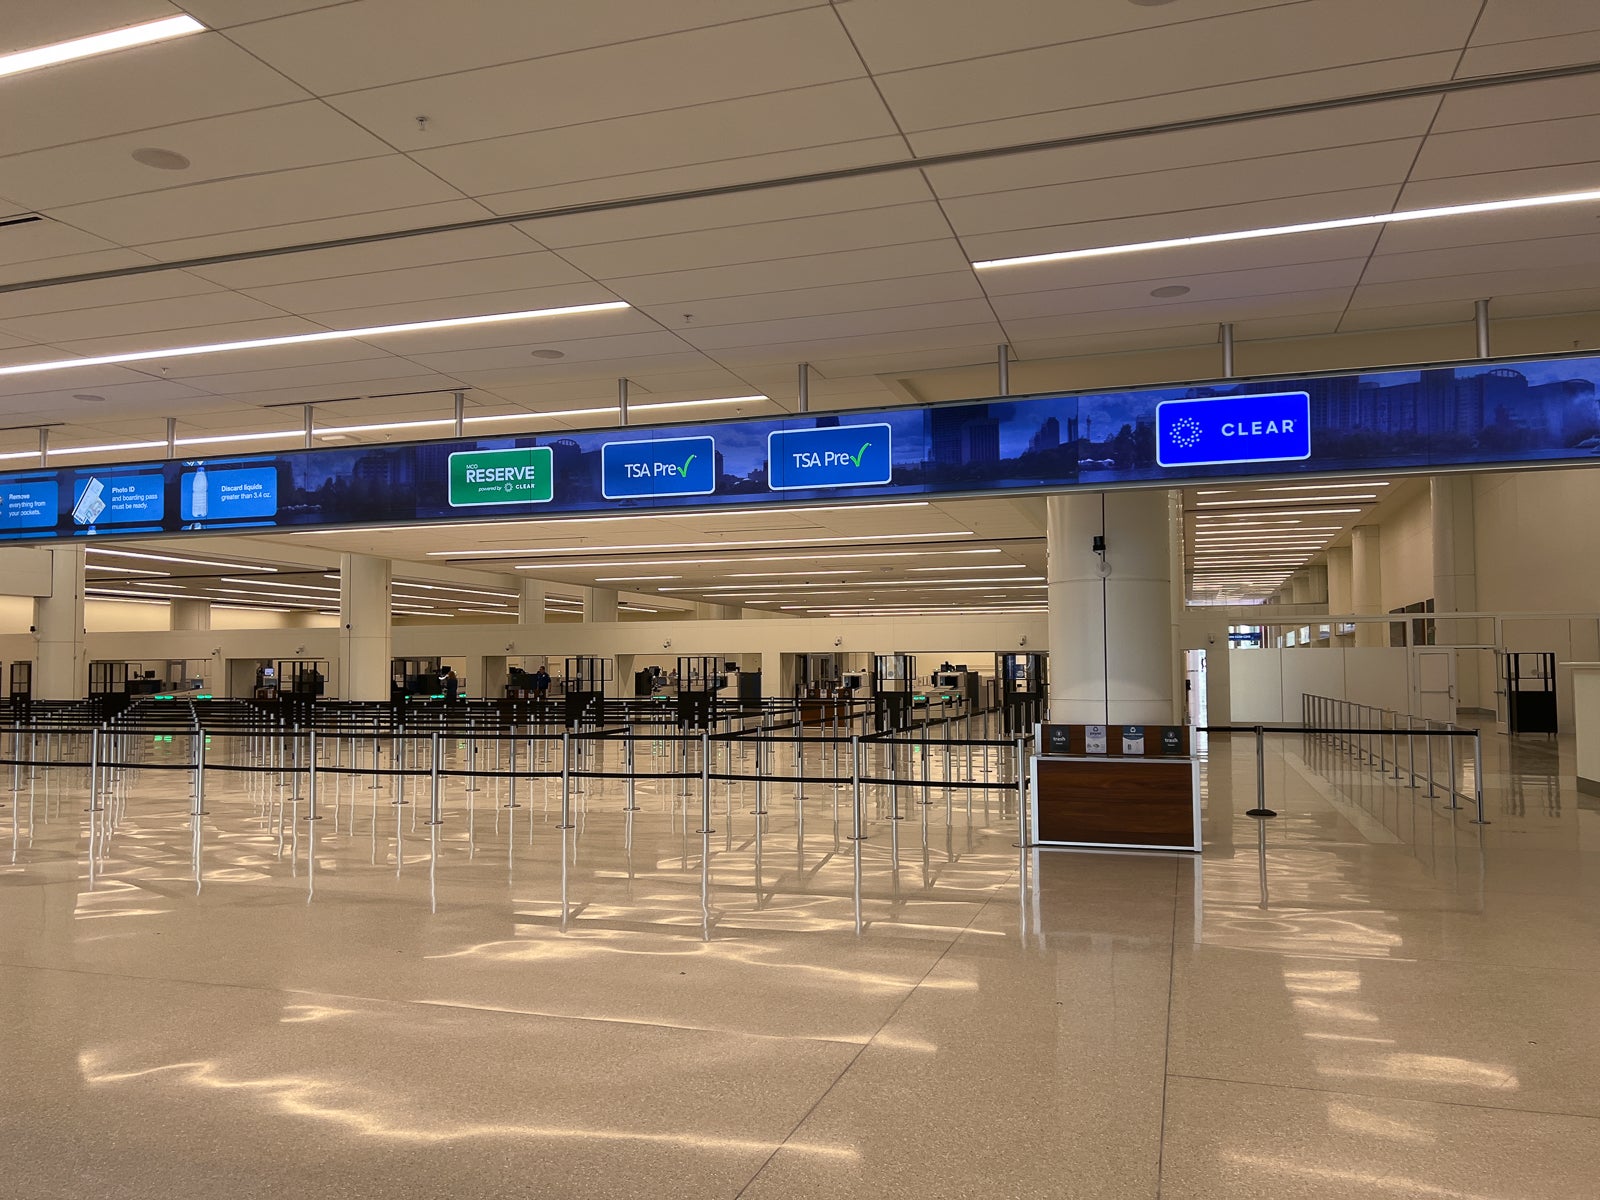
x=658 y=467
x=833 y=456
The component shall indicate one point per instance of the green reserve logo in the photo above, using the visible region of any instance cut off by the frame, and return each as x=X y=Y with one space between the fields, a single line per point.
x=521 y=476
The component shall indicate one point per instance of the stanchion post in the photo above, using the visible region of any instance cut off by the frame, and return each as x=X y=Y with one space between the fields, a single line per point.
x=705 y=783
x=1477 y=774
x=1261 y=809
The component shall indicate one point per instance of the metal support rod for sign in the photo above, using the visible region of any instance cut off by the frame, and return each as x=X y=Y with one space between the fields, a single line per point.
x=622 y=401
x=803 y=403
x=461 y=413
x=1480 y=318
x=309 y=412
x=172 y=437
x=1261 y=809
x=44 y=445
x=1003 y=366
x=1227 y=350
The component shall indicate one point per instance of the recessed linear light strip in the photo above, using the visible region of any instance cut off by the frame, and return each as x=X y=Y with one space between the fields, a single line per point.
x=1242 y=235
x=199 y=562
x=630 y=563
x=736 y=545
x=1282 y=500
x=98 y=43
x=298 y=339
x=560 y=522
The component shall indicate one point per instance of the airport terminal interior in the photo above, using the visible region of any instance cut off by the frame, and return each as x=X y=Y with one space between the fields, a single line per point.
x=777 y=598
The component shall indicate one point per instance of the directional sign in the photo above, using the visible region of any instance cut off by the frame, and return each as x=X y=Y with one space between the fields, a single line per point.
x=1216 y=430
x=830 y=457
x=523 y=475
x=110 y=498
x=28 y=503
x=663 y=467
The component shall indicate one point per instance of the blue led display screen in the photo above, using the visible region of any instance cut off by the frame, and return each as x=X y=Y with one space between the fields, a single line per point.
x=1540 y=412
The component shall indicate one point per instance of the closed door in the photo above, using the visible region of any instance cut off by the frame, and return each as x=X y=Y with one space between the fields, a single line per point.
x=1433 y=684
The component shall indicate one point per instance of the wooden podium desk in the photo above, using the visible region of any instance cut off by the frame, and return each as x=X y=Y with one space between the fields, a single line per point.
x=1112 y=800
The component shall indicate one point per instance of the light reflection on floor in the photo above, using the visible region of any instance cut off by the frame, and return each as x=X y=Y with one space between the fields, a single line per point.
x=1400 y=1003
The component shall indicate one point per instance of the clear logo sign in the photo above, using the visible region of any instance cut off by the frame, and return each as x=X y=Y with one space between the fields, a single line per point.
x=1218 y=430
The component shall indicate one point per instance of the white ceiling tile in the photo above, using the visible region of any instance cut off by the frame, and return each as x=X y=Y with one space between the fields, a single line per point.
x=832 y=325
x=1519 y=20
x=1229 y=286
x=185 y=317
x=105 y=293
x=486 y=304
x=622 y=339
x=1488 y=107
x=261 y=203
x=148 y=87
x=1184 y=264
x=461 y=246
x=1544 y=253
x=220 y=14
x=33 y=23
x=354 y=375
x=769 y=54
x=1274 y=43
x=624 y=149
x=827 y=233
x=717 y=213
x=1220 y=186
x=46 y=239
x=1180 y=313
x=177 y=368
x=816 y=270
x=255 y=241
x=1531 y=55
x=1511 y=148
x=388 y=289
x=1189 y=148
x=888 y=343
x=1181 y=223
x=1474 y=285
x=415 y=39
x=894 y=35
x=841 y=298
x=1499 y=185
x=1486 y=229
x=239 y=144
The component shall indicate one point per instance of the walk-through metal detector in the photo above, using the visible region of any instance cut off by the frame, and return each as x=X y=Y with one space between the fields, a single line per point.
x=586 y=676
x=893 y=681
x=699 y=677
x=21 y=683
x=1529 y=679
x=1024 y=684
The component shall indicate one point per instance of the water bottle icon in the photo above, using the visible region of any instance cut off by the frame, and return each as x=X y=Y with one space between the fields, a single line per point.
x=197 y=494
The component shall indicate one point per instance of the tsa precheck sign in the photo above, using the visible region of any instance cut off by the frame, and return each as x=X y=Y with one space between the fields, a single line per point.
x=634 y=470
x=829 y=457
x=1220 y=430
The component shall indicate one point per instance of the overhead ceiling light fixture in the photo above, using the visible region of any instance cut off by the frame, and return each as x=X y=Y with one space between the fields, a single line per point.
x=297 y=339
x=1241 y=235
x=198 y=562
x=98 y=43
x=741 y=544
x=161 y=160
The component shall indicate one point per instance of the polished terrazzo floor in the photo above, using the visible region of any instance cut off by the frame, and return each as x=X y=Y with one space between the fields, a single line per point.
x=1402 y=1003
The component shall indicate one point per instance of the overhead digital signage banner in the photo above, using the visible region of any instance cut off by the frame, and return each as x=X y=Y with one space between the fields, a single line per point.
x=1538 y=412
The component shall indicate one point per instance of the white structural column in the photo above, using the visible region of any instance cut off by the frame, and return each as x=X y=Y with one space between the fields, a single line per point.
x=1111 y=637
x=1366 y=585
x=1455 y=577
x=530 y=602
x=599 y=604
x=1339 y=597
x=62 y=672
x=365 y=584
x=190 y=614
